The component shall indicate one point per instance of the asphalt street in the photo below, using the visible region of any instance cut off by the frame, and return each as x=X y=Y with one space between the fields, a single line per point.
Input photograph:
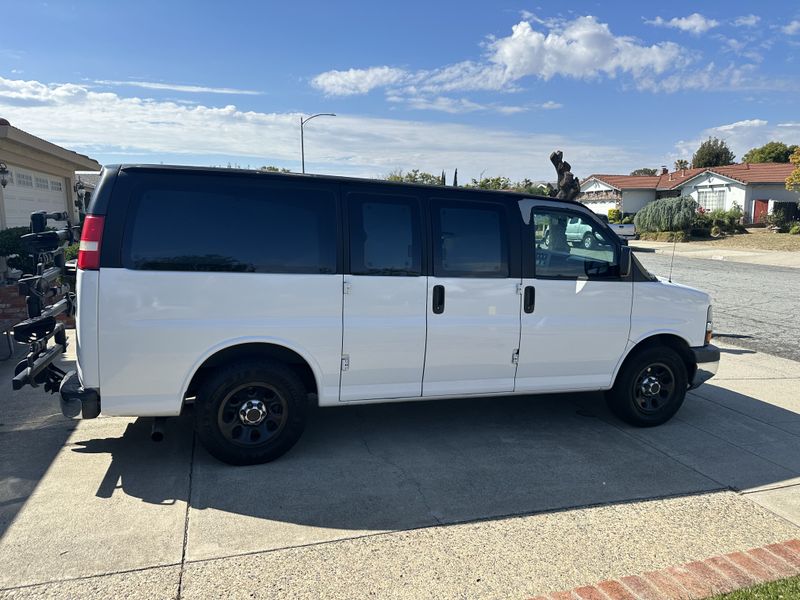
x=755 y=306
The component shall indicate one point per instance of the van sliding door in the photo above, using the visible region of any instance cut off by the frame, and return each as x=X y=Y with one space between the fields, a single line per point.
x=383 y=345
x=473 y=298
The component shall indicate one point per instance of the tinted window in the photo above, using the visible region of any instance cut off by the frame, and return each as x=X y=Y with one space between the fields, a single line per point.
x=569 y=245
x=384 y=235
x=470 y=240
x=247 y=228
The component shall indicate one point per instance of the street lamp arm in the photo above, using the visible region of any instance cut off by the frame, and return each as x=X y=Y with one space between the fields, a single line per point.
x=304 y=121
x=302 y=142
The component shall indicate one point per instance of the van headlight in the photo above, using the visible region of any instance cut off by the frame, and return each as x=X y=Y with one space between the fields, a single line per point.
x=709 y=325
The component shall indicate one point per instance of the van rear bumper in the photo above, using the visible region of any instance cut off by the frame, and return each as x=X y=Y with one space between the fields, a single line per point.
x=78 y=402
x=707 y=359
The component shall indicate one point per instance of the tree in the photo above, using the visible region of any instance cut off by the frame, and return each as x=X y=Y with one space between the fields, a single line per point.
x=681 y=164
x=273 y=169
x=455 y=178
x=442 y=181
x=793 y=180
x=776 y=152
x=713 y=153
x=644 y=171
x=667 y=214
x=525 y=186
x=414 y=176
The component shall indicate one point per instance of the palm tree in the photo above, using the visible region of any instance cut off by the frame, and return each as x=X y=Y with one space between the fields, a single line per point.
x=681 y=164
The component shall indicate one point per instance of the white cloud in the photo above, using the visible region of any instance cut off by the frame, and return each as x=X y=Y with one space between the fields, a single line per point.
x=742 y=125
x=463 y=105
x=740 y=136
x=695 y=23
x=357 y=81
x=792 y=28
x=583 y=48
x=105 y=124
x=550 y=105
x=177 y=87
x=717 y=78
x=746 y=21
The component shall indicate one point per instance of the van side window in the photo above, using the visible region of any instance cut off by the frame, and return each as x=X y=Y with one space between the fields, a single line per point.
x=470 y=239
x=385 y=235
x=568 y=245
x=186 y=226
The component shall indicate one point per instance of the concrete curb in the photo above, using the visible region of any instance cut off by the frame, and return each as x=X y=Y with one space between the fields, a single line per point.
x=698 y=579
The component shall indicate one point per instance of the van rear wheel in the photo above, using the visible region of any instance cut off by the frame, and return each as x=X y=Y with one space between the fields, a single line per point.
x=650 y=387
x=250 y=413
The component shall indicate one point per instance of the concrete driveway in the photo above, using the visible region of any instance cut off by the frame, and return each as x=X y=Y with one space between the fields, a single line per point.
x=471 y=498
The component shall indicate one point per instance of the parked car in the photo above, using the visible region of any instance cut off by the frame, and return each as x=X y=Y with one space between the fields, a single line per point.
x=247 y=293
x=627 y=231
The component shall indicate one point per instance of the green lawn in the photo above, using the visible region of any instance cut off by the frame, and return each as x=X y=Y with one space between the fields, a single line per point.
x=785 y=589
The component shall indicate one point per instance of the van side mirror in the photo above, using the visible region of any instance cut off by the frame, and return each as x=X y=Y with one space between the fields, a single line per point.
x=625 y=261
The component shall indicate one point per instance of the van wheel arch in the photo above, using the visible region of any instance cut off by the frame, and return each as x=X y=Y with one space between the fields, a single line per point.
x=674 y=342
x=254 y=351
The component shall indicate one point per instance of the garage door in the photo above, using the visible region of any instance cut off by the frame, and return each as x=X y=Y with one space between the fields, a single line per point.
x=601 y=208
x=29 y=191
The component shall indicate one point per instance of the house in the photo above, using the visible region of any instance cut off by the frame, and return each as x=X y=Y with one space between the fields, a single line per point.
x=758 y=188
x=40 y=176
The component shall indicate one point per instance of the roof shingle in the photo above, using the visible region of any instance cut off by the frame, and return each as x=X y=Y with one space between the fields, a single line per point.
x=744 y=172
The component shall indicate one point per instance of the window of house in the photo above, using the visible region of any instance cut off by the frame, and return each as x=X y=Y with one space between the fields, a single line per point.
x=24 y=180
x=385 y=235
x=55 y=186
x=42 y=183
x=711 y=199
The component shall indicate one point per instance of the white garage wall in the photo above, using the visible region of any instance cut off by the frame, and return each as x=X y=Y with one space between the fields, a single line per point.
x=634 y=200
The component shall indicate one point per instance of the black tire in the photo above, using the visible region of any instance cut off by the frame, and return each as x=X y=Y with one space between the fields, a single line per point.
x=656 y=369
x=265 y=390
x=588 y=240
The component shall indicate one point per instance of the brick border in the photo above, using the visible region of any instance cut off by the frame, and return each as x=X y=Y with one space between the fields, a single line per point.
x=698 y=579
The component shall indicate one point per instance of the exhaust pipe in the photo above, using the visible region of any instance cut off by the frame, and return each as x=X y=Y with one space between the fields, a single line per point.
x=157 y=432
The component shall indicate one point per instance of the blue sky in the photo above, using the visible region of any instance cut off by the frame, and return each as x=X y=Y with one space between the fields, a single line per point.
x=487 y=87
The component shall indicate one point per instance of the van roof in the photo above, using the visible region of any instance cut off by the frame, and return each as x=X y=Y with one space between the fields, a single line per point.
x=231 y=172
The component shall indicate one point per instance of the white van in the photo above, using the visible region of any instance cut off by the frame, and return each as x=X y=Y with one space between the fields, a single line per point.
x=247 y=293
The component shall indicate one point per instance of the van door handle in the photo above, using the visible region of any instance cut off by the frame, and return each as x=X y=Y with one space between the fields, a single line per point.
x=529 y=299
x=438 y=299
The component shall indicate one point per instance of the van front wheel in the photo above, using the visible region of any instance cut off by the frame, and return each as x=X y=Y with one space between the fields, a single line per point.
x=650 y=387
x=250 y=413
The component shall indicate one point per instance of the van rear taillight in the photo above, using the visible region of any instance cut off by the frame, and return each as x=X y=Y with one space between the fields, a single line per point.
x=91 y=237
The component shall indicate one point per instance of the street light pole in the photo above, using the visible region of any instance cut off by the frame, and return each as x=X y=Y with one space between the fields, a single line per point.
x=302 y=140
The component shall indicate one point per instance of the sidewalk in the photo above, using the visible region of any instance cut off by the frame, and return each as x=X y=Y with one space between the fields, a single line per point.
x=772 y=258
x=500 y=498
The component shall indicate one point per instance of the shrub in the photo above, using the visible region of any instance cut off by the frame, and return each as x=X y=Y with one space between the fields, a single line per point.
x=10 y=244
x=795 y=229
x=628 y=220
x=777 y=219
x=71 y=252
x=702 y=220
x=664 y=236
x=716 y=231
x=614 y=215
x=667 y=214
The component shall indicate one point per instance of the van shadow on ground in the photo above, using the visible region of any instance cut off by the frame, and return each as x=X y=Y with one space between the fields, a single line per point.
x=32 y=432
x=398 y=466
